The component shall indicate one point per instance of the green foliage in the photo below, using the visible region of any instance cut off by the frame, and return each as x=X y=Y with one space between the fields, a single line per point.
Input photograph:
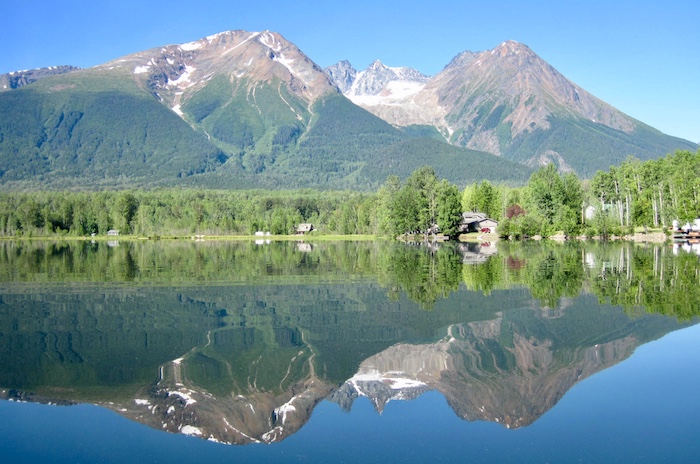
x=419 y=205
x=449 y=208
x=485 y=198
x=212 y=97
x=423 y=131
x=96 y=138
x=184 y=212
x=634 y=195
x=588 y=147
x=109 y=133
x=97 y=129
x=553 y=203
x=458 y=165
x=649 y=193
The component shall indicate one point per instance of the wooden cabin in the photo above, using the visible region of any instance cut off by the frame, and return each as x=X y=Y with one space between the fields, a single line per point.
x=477 y=222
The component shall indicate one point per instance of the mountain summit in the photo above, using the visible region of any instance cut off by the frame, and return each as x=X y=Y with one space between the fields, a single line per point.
x=176 y=72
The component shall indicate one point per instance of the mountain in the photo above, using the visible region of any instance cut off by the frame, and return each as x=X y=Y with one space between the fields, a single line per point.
x=342 y=74
x=250 y=110
x=234 y=110
x=510 y=102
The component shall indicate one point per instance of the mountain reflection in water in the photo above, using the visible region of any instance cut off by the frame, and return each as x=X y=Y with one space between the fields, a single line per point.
x=238 y=342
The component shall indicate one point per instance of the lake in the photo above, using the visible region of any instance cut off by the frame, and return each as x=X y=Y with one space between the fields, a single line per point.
x=159 y=351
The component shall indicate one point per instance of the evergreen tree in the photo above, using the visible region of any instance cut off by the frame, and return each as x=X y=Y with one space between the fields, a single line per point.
x=449 y=208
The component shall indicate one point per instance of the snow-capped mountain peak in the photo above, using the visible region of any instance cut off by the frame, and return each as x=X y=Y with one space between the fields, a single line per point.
x=378 y=84
x=378 y=78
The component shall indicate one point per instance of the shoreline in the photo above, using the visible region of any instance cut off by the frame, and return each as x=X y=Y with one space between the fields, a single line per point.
x=640 y=237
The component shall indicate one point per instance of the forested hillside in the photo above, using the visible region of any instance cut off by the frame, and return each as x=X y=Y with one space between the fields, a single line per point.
x=107 y=137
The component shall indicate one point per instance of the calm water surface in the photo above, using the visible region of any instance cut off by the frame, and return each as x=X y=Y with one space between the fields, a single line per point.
x=347 y=352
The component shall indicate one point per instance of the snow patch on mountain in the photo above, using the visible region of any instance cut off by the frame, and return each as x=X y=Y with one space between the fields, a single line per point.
x=379 y=79
x=393 y=380
x=191 y=430
x=394 y=93
x=385 y=89
x=186 y=395
x=268 y=39
x=286 y=62
x=191 y=46
x=282 y=411
x=184 y=79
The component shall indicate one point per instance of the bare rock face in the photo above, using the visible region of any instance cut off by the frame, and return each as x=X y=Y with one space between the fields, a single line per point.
x=342 y=74
x=520 y=88
x=17 y=79
x=381 y=80
x=387 y=92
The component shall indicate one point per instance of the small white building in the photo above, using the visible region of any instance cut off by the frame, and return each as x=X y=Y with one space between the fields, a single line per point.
x=305 y=228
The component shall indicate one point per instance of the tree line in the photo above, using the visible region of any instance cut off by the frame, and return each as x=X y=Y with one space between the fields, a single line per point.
x=177 y=212
x=636 y=194
x=647 y=194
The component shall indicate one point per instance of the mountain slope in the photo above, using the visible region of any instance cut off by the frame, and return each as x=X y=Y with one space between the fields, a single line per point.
x=92 y=129
x=349 y=148
x=236 y=109
x=509 y=102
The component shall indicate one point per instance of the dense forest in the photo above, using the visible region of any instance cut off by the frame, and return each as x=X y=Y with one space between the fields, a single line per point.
x=124 y=138
x=636 y=194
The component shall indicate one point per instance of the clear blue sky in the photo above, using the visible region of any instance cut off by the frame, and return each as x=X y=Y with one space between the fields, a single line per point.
x=643 y=57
